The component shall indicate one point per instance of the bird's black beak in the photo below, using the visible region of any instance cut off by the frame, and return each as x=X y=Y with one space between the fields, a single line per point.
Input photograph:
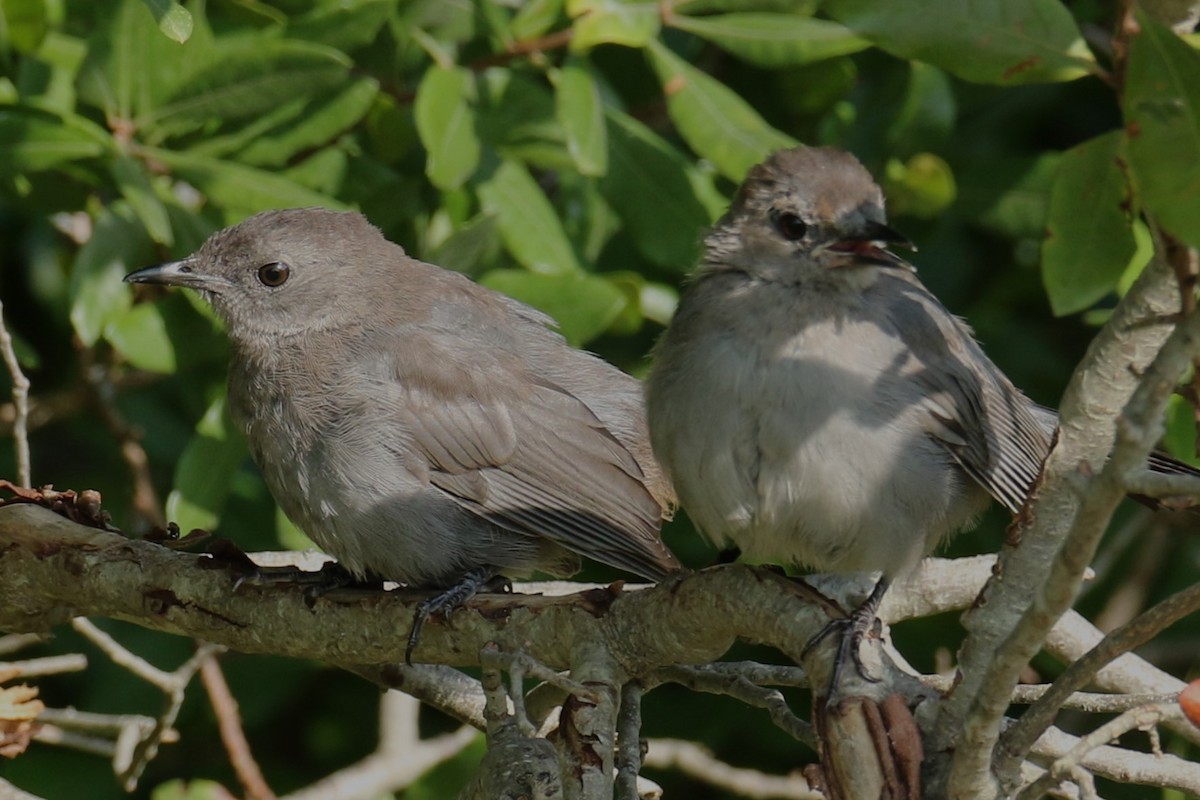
x=869 y=244
x=178 y=273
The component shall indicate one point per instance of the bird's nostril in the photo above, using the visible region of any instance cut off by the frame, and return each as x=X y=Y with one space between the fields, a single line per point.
x=184 y=268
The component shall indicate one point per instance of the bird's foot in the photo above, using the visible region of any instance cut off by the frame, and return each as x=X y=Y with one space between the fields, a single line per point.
x=445 y=601
x=853 y=630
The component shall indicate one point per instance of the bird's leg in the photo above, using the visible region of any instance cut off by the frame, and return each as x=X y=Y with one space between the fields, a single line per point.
x=447 y=600
x=854 y=629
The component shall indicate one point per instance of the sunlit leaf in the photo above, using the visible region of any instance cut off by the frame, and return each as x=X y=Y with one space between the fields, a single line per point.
x=632 y=23
x=581 y=114
x=346 y=24
x=664 y=201
x=247 y=81
x=140 y=335
x=584 y=305
x=1089 y=241
x=23 y=25
x=132 y=67
x=118 y=245
x=173 y=19
x=535 y=17
x=923 y=186
x=134 y=183
x=239 y=189
x=717 y=123
x=1014 y=41
x=1162 y=109
x=445 y=118
x=205 y=471
x=531 y=229
x=774 y=40
x=316 y=124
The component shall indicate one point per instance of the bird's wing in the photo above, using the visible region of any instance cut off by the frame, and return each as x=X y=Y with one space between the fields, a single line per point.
x=1157 y=461
x=975 y=412
x=532 y=458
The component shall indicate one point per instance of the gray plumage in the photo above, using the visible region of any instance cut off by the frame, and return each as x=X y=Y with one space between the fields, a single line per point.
x=813 y=402
x=416 y=425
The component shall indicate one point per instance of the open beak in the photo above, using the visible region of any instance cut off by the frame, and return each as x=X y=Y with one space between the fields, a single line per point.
x=178 y=273
x=870 y=245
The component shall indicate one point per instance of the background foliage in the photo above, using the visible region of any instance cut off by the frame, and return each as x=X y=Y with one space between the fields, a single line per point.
x=569 y=153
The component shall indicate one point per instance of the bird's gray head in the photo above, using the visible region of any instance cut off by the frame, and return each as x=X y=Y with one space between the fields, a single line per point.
x=804 y=209
x=283 y=272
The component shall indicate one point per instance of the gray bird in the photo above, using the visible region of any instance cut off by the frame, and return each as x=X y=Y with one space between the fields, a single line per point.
x=417 y=426
x=815 y=404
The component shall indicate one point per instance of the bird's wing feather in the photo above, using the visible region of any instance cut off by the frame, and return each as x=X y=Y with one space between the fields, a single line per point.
x=982 y=420
x=530 y=457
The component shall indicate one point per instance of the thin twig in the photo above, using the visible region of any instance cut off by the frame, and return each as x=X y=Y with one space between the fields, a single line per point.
x=629 y=743
x=1164 y=487
x=1068 y=765
x=122 y=657
x=694 y=760
x=1087 y=702
x=50 y=665
x=1158 y=770
x=229 y=720
x=1016 y=741
x=20 y=395
x=12 y=642
x=729 y=682
x=99 y=378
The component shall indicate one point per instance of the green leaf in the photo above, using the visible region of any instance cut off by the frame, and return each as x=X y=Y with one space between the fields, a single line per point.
x=131 y=178
x=345 y=24
x=580 y=111
x=179 y=789
x=471 y=246
x=246 y=81
x=922 y=187
x=774 y=40
x=1181 y=438
x=317 y=122
x=1008 y=195
x=631 y=23
x=140 y=335
x=1089 y=241
x=48 y=80
x=1162 y=109
x=173 y=19
x=583 y=305
x=516 y=112
x=32 y=140
x=206 y=470
x=529 y=226
x=288 y=535
x=445 y=117
x=23 y=25
x=97 y=292
x=663 y=199
x=131 y=66
x=717 y=123
x=926 y=114
x=535 y=17
x=240 y=190
x=1008 y=42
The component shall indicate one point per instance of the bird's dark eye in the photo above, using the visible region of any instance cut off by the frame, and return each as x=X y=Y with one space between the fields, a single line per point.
x=274 y=274
x=791 y=226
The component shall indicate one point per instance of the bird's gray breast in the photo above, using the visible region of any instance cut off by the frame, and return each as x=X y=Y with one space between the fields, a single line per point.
x=335 y=458
x=792 y=427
